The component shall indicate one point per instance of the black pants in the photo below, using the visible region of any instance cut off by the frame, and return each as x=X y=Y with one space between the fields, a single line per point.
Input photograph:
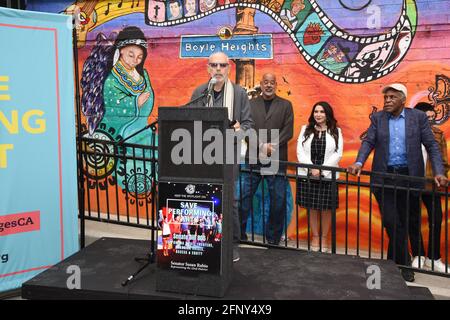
x=434 y=225
x=397 y=208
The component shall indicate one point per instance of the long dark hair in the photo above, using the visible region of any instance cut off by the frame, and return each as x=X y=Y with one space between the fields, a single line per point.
x=331 y=121
x=129 y=33
x=96 y=69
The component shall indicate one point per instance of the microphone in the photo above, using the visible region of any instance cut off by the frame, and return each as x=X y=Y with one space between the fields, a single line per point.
x=211 y=84
x=206 y=93
x=209 y=97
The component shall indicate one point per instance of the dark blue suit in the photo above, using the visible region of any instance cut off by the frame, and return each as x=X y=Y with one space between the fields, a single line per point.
x=395 y=208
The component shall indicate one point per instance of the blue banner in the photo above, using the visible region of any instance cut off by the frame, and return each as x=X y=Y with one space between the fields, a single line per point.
x=238 y=47
x=38 y=202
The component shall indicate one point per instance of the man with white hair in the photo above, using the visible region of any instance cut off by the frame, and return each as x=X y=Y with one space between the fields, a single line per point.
x=396 y=134
x=233 y=97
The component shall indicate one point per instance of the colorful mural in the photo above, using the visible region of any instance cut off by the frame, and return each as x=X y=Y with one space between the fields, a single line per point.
x=119 y=110
x=359 y=59
x=342 y=52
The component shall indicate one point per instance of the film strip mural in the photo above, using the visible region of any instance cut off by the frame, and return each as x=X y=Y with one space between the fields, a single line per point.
x=327 y=48
x=331 y=50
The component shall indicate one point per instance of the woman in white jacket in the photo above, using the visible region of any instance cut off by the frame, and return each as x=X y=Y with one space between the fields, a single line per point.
x=320 y=142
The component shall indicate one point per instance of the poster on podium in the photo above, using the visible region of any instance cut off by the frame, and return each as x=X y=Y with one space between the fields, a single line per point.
x=190 y=227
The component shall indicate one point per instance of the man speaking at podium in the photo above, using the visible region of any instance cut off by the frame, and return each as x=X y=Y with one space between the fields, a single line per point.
x=219 y=91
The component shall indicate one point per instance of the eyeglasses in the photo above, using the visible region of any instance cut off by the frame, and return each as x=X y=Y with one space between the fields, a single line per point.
x=215 y=65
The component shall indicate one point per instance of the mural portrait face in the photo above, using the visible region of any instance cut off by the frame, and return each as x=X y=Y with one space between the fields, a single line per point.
x=206 y=5
x=332 y=49
x=297 y=6
x=340 y=56
x=175 y=10
x=190 y=8
x=131 y=56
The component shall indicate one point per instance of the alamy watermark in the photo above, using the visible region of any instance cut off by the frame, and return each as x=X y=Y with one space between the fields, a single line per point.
x=260 y=147
x=74 y=280
x=374 y=19
x=374 y=279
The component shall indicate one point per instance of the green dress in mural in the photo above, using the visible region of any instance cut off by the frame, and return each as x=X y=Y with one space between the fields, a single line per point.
x=121 y=93
x=122 y=113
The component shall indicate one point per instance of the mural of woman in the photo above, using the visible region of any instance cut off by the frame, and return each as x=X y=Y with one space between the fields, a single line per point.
x=127 y=92
x=123 y=106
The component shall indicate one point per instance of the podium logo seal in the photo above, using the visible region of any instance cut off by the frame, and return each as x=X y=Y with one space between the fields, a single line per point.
x=190 y=189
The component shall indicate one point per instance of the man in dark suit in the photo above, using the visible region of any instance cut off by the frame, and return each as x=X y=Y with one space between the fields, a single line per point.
x=269 y=112
x=396 y=134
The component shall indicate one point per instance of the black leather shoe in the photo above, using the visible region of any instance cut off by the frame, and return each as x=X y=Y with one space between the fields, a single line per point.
x=408 y=275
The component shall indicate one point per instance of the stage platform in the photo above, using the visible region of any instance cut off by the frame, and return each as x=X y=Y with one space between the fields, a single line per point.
x=261 y=274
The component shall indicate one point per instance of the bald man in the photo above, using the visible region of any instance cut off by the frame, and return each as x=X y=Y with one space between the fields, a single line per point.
x=269 y=112
x=226 y=93
x=233 y=97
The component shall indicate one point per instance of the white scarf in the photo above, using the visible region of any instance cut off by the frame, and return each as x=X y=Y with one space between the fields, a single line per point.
x=228 y=98
x=228 y=102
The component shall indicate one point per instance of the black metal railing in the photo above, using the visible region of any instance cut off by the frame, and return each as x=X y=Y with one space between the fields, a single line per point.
x=120 y=186
x=14 y=4
x=119 y=181
x=357 y=228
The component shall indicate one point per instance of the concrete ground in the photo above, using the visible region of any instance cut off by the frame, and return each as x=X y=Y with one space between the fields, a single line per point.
x=439 y=286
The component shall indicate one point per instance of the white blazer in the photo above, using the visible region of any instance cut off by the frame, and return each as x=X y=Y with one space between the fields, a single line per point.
x=331 y=158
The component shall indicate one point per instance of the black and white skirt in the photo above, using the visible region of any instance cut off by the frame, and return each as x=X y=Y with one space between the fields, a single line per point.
x=316 y=194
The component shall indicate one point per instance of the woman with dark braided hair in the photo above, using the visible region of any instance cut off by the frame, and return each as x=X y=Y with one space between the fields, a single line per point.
x=118 y=99
x=320 y=142
x=127 y=90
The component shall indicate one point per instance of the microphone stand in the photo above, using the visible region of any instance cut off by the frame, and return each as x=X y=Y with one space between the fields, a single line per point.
x=204 y=94
x=208 y=93
x=150 y=258
x=152 y=255
x=151 y=125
